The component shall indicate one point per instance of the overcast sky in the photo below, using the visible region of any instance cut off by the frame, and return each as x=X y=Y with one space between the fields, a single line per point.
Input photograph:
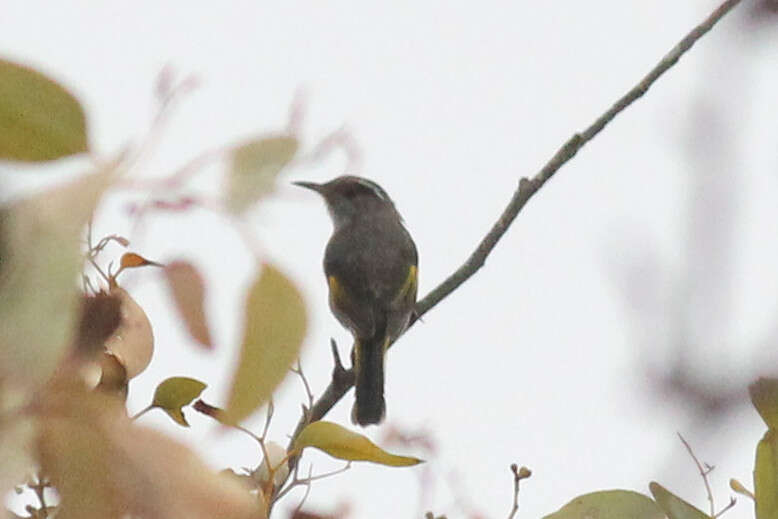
x=660 y=234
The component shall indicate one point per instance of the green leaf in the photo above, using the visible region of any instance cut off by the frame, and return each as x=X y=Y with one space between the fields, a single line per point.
x=255 y=166
x=764 y=396
x=274 y=329
x=39 y=119
x=609 y=504
x=42 y=260
x=766 y=476
x=674 y=506
x=343 y=444
x=174 y=393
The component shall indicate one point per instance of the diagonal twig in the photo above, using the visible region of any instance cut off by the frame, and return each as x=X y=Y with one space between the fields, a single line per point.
x=703 y=473
x=343 y=380
x=528 y=187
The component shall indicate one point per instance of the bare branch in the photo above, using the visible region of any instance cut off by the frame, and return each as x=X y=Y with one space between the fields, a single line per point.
x=343 y=379
x=528 y=187
x=307 y=492
x=297 y=481
x=518 y=475
x=731 y=503
x=703 y=472
x=268 y=417
x=299 y=372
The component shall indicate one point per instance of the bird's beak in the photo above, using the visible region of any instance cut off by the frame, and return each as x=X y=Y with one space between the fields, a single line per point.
x=309 y=185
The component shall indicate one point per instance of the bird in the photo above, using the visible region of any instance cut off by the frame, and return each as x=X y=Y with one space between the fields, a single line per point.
x=371 y=266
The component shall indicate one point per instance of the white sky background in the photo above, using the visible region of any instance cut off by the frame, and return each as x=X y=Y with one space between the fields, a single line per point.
x=543 y=358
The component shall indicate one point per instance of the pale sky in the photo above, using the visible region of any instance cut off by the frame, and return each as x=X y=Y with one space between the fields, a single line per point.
x=543 y=358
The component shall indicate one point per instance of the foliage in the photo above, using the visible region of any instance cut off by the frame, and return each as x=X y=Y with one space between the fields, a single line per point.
x=64 y=379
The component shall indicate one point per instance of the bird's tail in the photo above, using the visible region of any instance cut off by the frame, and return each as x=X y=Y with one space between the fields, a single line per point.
x=370 y=406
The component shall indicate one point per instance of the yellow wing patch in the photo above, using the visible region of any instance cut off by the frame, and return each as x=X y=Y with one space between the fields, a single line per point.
x=408 y=290
x=336 y=294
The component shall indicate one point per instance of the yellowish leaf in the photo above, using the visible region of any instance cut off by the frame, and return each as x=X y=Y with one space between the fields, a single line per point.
x=274 y=329
x=255 y=166
x=188 y=290
x=39 y=120
x=42 y=259
x=766 y=476
x=674 y=506
x=16 y=451
x=174 y=393
x=764 y=396
x=738 y=487
x=339 y=442
x=133 y=341
x=609 y=504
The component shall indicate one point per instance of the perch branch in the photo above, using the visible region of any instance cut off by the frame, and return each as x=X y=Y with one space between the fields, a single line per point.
x=343 y=379
x=528 y=187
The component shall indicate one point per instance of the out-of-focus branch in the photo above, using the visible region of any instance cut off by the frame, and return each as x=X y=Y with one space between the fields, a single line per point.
x=343 y=379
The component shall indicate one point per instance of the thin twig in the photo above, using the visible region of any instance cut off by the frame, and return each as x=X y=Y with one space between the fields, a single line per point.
x=703 y=472
x=306 y=494
x=142 y=412
x=299 y=372
x=165 y=98
x=268 y=417
x=331 y=473
x=302 y=481
x=516 y=480
x=731 y=503
x=528 y=187
x=518 y=475
x=343 y=380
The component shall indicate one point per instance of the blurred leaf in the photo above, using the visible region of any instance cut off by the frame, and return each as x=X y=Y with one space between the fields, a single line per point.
x=339 y=442
x=132 y=260
x=17 y=438
x=113 y=376
x=100 y=316
x=273 y=333
x=738 y=487
x=39 y=299
x=174 y=393
x=133 y=341
x=674 y=506
x=188 y=290
x=764 y=396
x=255 y=166
x=39 y=120
x=766 y=476
x=609 y=504
x=277 y=459
x=105 y=466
